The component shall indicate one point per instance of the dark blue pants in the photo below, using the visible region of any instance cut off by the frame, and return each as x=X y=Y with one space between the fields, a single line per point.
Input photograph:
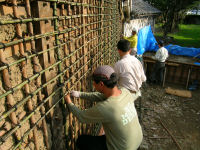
x=158 y=72
x=89 y=142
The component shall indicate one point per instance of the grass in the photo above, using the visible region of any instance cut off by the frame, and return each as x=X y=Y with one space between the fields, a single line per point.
x=187 y=36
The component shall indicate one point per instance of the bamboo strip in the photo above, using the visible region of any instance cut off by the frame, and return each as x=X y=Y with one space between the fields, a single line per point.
x=39 y=36
x=70 y=51
x=39 y=53
x=24 y=74
x=79 y=75
x=37 y=68
x=35 y=76
x=28 y=132
x=77 y=4
x=68 y=128
x=29 y=116
x=101 y=26
x=66 y=64
x=58 y=50
x=98 y=54
x=98 y=58
x=26 y=20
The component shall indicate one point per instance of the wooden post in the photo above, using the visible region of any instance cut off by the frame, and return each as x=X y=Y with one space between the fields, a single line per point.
x=164 y=76
x=188 y=78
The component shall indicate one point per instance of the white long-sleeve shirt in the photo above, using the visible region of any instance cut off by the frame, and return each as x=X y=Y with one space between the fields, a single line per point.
x=130 y=72
x=161 y=54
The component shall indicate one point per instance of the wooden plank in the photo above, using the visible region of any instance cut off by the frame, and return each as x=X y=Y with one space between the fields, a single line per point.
x=173 y=59
x=177 y=92
x=172 y=64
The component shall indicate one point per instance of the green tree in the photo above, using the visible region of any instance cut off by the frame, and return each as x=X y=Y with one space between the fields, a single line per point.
x=173 y=12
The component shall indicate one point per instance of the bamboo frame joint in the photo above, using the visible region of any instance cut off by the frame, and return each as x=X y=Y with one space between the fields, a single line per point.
x=7 y=65
x=2 y=46
x=60 y=84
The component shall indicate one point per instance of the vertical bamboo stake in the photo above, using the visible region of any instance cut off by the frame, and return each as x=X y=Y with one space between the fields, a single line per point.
x=83 y=21
x=59 y=53
x=24 y=74
x=37 y=68
x=77 y=66
x=66 y=64
x=70 y=51
x=84 y=12
x=109 y=34
x=101 y=30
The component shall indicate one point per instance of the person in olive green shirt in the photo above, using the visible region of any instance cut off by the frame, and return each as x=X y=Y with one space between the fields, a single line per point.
x=133 y=41
x=114 y=109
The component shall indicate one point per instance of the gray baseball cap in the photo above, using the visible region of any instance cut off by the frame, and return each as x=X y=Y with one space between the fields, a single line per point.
x=104 y=71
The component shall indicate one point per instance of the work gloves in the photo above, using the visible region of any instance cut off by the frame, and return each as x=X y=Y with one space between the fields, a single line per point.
x=75 y=94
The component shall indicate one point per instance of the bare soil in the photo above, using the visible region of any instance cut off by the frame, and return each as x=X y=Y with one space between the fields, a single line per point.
x=166 y=117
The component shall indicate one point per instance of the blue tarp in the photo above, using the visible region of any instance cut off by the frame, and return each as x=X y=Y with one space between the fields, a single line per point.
x=147 y=42
x=184 y=51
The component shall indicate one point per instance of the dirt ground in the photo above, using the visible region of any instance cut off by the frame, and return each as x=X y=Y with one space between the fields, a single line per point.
x=163 y=113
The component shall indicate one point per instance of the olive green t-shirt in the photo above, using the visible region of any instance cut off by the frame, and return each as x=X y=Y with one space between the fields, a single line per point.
x=118 y=117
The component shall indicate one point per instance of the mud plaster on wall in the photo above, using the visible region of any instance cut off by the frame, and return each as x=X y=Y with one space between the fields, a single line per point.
x=7 y=32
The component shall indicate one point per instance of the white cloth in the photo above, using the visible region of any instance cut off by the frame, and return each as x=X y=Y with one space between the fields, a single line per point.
x=130 y=72
x=161 y=54
x=75 y=94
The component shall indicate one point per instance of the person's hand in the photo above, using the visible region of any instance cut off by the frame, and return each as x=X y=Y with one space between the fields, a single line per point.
x=75 y=94
x=68 y=99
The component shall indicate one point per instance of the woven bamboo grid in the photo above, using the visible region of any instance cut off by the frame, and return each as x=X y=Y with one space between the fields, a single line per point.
x=62 y=43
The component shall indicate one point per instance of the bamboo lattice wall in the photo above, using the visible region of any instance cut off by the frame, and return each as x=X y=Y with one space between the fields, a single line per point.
x=48 y=48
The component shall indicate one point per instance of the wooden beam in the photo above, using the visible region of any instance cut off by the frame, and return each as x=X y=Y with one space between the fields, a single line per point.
x=182 y=93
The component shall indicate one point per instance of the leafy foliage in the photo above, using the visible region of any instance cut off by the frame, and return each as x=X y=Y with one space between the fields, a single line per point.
x=173 y=12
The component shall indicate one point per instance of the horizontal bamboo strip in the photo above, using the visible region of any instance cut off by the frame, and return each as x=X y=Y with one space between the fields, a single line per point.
x=47 y=50
x=36 y=37
x=19 y=86
x=39 y=53
x=44 y=85
x=40 y=105
x=26 y=20
x=107 y=1
x=108 y=44
x=78 y=4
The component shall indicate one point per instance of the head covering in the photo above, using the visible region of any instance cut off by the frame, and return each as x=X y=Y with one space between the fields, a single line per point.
x=134 y=29
x=161 y=42
x=104 y=71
